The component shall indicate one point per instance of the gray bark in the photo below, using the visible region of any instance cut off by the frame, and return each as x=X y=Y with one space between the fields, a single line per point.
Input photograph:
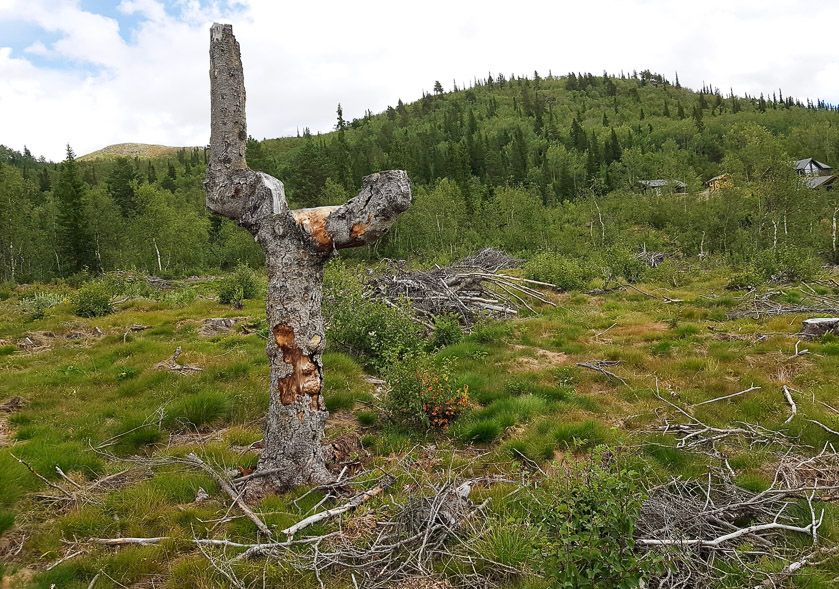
x=297 y=244
x=819 y=326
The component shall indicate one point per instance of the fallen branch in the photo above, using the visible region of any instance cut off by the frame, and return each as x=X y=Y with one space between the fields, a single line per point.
x=348 y=506
x=225 y=486
x=792 y=405
x=597 y=366
x=714 y=400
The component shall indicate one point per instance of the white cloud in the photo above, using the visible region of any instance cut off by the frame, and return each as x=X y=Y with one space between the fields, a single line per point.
x=301 y=58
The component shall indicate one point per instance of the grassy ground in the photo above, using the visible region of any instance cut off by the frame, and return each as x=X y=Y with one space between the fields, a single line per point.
x=531 y=405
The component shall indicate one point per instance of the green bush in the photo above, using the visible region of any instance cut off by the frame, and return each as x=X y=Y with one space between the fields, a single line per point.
x=787 y=265
x=590 y=514
x=238 y=286
x=564 y=273
x=422 y=393
x=93 y=300
x=747 y=279
x=364 y=326
x=37 y=303
x=447 y=331
x=623 y=263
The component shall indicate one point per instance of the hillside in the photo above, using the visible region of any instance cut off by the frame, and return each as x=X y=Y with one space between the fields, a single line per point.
x=622 y=399
x=564 y=153
x=130 y=150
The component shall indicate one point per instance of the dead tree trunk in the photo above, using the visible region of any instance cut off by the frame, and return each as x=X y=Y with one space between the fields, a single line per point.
x=297 y=244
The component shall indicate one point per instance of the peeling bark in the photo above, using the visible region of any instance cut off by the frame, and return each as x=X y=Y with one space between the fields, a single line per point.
x=297 y=244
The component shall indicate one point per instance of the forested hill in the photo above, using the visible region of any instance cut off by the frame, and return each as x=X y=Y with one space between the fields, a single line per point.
x=526 y=163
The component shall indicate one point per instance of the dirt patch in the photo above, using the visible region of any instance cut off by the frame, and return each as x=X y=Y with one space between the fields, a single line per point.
x=219 y=325
x=636 y=329
x=536 y=359
x=21 y=578
x=39 y=341
x=13 y=405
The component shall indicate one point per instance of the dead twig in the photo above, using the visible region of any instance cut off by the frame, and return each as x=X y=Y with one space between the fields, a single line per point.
x=598 y=366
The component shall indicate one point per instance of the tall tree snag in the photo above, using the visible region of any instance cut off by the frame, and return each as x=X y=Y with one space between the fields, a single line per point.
x=297 y=244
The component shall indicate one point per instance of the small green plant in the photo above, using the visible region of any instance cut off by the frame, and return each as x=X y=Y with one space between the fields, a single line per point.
x=198 y=409
x=447 y=331
x=590 y=522
x=422 y=393
x=93 y=300
x=36 y=304
x=238 y=286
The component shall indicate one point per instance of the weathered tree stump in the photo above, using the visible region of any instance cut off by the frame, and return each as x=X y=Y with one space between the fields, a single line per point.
x=819 y=326
x=297 y=244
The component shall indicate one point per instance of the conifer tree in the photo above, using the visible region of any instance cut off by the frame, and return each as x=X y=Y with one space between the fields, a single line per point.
x=578 y=136
x=121 y=182
x=75 y=247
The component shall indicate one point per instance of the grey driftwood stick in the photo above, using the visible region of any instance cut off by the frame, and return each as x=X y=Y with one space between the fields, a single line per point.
x=297 y=244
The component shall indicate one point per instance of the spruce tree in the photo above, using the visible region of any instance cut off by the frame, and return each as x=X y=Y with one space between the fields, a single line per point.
x=121 y=182
x=74 y=244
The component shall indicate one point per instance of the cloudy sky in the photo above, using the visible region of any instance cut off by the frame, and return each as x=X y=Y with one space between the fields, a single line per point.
x=95 y=72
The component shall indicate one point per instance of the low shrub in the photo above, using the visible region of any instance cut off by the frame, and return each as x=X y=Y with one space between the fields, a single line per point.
x=564 y=273
x=623 y=263
x=93 y=300
x=364 y=326
x=36 y=304
x=589 y=520
x=747 y=279
x=447 y=331
x=422 y=393
x=787 y=265
x=237 y=287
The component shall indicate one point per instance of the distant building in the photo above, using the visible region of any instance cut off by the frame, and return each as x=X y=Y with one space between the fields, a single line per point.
x=811 y=167
x=821 y=182
x=719 y=182
x=660 y=185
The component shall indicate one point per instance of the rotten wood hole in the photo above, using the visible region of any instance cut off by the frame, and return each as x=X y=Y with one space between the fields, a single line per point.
x=305 y=377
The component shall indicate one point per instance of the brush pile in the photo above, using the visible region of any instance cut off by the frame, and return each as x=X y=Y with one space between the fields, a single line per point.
x=707 y=532
x=756 y=304
x=470 y=289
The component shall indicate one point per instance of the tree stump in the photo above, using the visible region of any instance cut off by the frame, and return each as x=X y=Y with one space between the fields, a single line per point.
x=297 y=244
x=819 y=326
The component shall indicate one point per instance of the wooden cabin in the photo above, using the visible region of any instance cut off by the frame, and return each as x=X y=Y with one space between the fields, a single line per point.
x=719 y=182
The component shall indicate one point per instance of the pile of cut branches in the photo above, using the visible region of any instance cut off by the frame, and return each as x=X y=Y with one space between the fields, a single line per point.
x=706 y=532
x=756 y=304
x=469 y=289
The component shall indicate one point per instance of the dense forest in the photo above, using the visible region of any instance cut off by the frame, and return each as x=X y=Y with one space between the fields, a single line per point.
x=527 y=164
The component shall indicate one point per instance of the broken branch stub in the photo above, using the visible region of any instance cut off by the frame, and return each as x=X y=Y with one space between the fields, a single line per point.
x=297 y=244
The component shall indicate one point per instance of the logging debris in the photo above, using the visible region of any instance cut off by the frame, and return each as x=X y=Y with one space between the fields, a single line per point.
x=470 y=289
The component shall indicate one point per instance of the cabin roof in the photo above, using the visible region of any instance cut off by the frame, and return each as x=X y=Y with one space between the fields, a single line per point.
x=660 y=182
x=817 y=181
x=801 y=164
